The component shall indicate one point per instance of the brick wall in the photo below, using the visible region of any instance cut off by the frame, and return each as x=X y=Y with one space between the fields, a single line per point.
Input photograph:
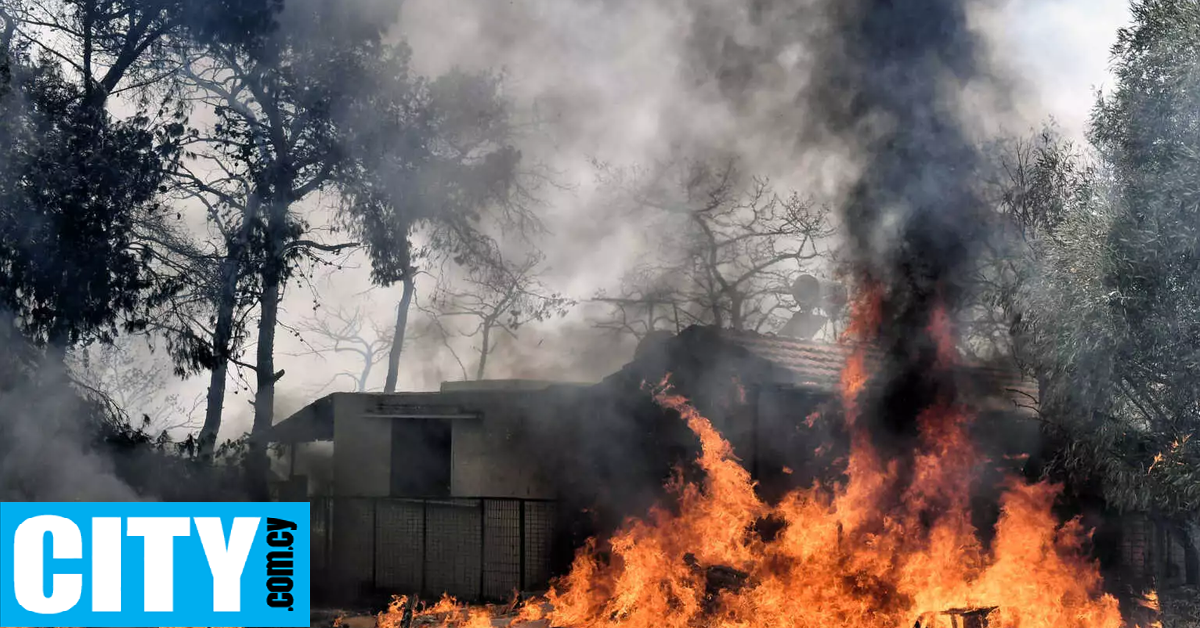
x=1152 y=553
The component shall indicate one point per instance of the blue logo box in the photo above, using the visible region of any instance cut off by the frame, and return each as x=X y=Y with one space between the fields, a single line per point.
x=154 y=564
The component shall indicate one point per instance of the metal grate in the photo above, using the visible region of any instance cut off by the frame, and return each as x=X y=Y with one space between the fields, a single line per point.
x=353 y=558
x=473 y=549
x=400 y=539
x=453 y=536
x=501 y=549
x=539 y=536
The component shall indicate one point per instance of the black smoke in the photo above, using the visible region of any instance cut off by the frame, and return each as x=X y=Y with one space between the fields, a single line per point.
x=888 y=82
x=882 y=83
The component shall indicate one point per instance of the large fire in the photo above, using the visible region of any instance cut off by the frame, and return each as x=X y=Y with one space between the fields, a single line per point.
x=881 y=550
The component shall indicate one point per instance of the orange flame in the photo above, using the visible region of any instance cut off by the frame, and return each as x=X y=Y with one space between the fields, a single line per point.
x=845 y=556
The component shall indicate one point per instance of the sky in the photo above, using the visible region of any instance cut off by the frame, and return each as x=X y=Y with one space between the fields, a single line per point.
x=1062 y=48
x=604 y=77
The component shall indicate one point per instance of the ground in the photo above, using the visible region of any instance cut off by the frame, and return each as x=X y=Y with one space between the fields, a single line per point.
x=1181 y=608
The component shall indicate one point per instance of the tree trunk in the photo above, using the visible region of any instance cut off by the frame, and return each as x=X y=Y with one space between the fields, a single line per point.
x=207 y=442
x=215 y=404
x=366 y=372
x=222 y=337
x=484 y=350
x=258 y=464
x=6 y=37
x=735 y=312
x=231 y=271
x=393 y=372
x=89 y=84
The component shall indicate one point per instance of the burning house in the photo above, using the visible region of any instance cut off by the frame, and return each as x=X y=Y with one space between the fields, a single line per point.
x=484 y=488
x=776 y=399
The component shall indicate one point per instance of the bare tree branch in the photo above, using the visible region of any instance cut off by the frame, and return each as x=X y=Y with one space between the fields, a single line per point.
x=728 y=248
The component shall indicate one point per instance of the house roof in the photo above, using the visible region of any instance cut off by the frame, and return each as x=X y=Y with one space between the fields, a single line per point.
x=808 y=362
x=815 y=364
x=311 y=423
x=507 y=385
x=315 y=421
x=789 y=361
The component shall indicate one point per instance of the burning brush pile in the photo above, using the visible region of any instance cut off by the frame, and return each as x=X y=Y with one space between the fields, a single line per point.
x=892 y=546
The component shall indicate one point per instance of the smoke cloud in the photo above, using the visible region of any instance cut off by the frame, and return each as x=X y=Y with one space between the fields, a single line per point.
x=810 y=92
x=633 y=82
x=892 y=82
x=48 y=436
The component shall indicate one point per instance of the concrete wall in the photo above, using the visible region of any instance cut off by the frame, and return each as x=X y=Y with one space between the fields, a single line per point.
x=490 y=458
x=362 y=452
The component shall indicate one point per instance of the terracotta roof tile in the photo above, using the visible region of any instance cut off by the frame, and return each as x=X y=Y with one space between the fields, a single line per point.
x=820 y=364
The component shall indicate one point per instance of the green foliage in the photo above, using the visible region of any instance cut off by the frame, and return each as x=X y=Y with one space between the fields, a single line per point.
x=1106 y=295
x=1148 y=130
x=247 y=24
x=1110 y=434
x=428 y=153
x=79 y=187
x=72 y=184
